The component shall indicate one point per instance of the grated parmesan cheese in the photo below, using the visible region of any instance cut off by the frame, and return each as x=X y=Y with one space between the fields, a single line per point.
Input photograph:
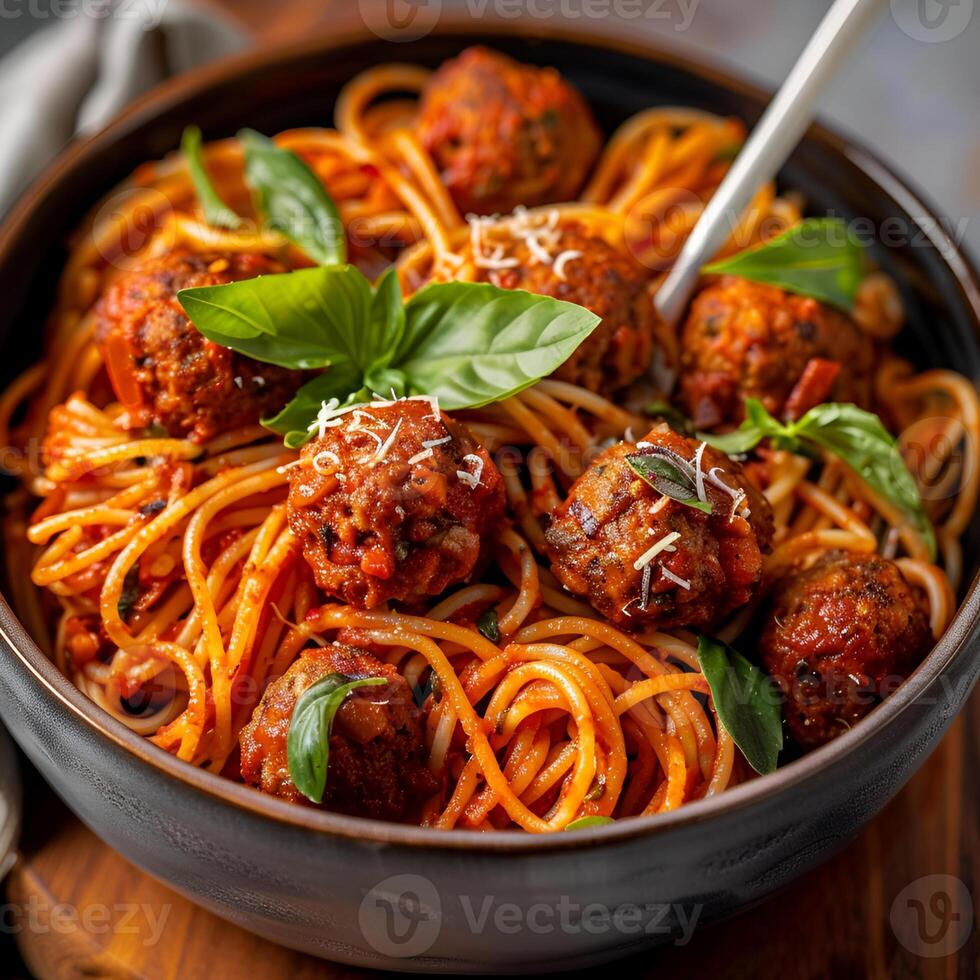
x=538 y=250
x=329 y=416
x=358 y=424
x=539 y=232
x=698 y=474
x=428 y=445
x=563 y=259
x=682 y=582
x=320 y=461
x=472 y=480
x=387 y=444
x=738 y=496
x=662 y=545
x=645 y=588
x=481 y=258
x=375 y=437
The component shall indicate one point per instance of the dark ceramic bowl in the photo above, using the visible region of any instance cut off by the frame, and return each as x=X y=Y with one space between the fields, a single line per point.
x=401 y=897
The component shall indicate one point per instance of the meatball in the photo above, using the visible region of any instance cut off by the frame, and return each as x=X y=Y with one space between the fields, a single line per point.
x=163 y=370
x=744 y=339
x=502 y=133
x=644 y=559
x=393 y=502
x=593 y=274
x=377 y=755
x=835 y=636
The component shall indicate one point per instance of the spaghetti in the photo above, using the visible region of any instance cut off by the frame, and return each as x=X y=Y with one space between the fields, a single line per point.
x=174 y=581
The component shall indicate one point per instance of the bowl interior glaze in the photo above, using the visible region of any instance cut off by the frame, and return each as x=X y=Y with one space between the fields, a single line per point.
x=297 y=86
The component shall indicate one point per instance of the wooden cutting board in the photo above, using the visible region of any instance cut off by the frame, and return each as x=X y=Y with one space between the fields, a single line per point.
x=80 y=910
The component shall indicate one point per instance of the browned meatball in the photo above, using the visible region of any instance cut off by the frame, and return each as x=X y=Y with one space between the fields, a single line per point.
x=836 y=637
x=586 y=270
x=646 y=560
x=502 y=133
x=745 y=339
x=377 y=755
x=393 y=502
x=163 y=370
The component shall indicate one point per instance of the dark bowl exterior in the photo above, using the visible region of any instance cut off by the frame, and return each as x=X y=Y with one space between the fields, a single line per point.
x=402 y=898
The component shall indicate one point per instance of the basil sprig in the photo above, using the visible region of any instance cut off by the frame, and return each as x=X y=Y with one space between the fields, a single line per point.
x=747 y=702
x=818 y=258
x=674 y=417
x=293 y=199
x=216 y=212
x=488 y=624
x=583 y=823
x=855 y=436
x=468 y=344
x=288 y=195
x=308 y=741
x=670 y=474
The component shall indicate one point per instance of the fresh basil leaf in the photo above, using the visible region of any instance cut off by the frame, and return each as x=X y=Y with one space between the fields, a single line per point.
x=489 y=625
x=293 y=200
x=669 y=414
x=216 y=212
x=386 y=383
x=583 y=823
x=387 y=324
x=741 y=440
x=818 y=257
x=308 y=741
x=757 y=415
x=468 y=344
x=383 y=334
x=758 y=425
x=341 y=382
x=472 y=343
x=746 y=700
x=859 y=439
x=131 y=592
x=304 y=319
x=667 y=479
x=855 y=436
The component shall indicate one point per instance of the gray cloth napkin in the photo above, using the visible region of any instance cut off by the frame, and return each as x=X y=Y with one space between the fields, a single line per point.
x=73 y=76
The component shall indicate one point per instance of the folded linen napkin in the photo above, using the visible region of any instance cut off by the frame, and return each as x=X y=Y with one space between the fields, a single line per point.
x=74 y=75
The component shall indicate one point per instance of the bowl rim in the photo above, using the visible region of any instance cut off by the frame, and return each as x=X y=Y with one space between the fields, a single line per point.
x=221 y=790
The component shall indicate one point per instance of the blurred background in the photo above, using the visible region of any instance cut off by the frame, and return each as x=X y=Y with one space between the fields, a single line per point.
x=911 y=92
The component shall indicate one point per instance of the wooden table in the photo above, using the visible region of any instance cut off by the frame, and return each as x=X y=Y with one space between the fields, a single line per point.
x=835 y=922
